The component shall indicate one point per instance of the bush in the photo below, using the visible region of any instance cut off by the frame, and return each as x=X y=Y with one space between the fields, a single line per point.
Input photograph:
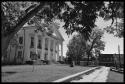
x=45 y=61
x=61 y=62
x=29 y=62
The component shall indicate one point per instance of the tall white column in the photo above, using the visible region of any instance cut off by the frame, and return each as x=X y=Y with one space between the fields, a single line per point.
x=57 y=51
x=36 y=42
x=54 y=48
x=49 y=54
x=43 y=48
x=62 y=51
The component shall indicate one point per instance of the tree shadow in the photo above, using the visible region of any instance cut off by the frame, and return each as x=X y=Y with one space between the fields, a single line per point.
x=8 y=73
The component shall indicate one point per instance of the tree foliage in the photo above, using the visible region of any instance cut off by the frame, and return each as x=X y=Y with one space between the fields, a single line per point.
x=77 y=47
x=95 y=42
x=12 y=12
x=73 y=17
x=114 y=11
x=78 y=16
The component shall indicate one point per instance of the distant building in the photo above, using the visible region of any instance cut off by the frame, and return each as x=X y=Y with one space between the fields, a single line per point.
x=111 y=59
x=33 y=44
x=118 y=60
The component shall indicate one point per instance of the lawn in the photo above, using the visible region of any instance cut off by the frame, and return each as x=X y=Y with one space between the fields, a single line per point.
x=41 y=73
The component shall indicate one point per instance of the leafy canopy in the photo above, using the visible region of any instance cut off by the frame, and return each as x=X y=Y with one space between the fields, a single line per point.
x=78 y=16
x=75 y=15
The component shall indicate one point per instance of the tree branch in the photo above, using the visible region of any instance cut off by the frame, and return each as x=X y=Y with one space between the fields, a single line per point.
x=28 y=16
x=93 y=43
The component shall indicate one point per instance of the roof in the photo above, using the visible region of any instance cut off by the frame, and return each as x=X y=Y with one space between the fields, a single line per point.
x=52 y=25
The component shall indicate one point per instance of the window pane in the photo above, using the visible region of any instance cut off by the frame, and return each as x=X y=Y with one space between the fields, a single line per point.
x=51 y=46
x=33 y=56
x=21 y=40
x=39 y=44
x=46 y=43
x=45 y=57
x=32 y=42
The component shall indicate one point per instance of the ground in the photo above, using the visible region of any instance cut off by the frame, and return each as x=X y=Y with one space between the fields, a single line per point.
x=115 y=77
x=41 y=73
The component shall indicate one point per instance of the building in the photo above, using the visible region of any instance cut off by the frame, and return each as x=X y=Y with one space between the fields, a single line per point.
x=119 y=60
x=106 y=59
x=111 y=59
x=32 y=43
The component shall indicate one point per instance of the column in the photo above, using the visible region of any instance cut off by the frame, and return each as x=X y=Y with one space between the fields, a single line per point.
x=36 y=42
x=54 y=48
x=43 y=48
x=49 y=41
x=61 y=51
x=57 y=51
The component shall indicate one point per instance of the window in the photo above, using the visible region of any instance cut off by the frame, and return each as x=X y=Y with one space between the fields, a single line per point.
x=46 y=44
x=51 y=55
x=32 y=42
x=39 y=44
x=21 y=40
x=19 y=54
x=33 y=56
x=45 y=57
x=38 y=55
x=56 y=47
x=51 y=46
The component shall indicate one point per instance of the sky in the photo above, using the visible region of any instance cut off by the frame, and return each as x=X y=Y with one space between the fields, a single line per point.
x=112 y=42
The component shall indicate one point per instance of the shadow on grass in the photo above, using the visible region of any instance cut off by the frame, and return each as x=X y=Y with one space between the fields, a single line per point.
x=14 y=72
x=8 y=73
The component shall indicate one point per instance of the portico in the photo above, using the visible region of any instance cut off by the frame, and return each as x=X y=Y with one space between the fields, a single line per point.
x=39 y=45
x=51 y=44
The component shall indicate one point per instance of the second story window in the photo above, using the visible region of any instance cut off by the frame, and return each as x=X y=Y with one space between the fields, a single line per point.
x=56 y=47
x=51 y=46
x=32 y=42
x=21 y=40
x=39 y=44
x=46 y=43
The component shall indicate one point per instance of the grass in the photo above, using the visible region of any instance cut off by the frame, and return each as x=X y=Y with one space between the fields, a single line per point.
x=41 y=73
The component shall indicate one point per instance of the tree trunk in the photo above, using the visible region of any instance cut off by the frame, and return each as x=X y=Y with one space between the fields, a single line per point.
x=5 y=44
x=93 y=42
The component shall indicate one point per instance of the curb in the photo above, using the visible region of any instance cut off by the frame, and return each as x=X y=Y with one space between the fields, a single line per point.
x=71 y=77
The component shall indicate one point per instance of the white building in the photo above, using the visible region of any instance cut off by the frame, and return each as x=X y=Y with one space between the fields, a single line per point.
x=48 y=45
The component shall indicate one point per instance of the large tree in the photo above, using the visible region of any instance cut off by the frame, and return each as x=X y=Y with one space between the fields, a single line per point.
x=76 y=48
x=16 y=14
x=95 y=42
x=77 y=16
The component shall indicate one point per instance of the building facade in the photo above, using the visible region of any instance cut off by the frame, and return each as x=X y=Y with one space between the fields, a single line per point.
x=111 y=59
x=35 y=44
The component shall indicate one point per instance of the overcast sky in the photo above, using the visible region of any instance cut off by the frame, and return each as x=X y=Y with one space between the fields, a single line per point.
x=112 y=42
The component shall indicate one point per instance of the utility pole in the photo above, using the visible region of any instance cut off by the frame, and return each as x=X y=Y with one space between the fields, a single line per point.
x=115 y=60
x=119 y=56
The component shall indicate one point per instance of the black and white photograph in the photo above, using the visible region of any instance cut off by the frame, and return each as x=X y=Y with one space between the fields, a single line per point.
x=62 y=41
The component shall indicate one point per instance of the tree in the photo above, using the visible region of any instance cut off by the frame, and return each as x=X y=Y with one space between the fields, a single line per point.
x=13 y=18
x=16 y=14
x=114 y=11
x=116 y=31
x=95 y=43
x=76 y=48
x=78 y=16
